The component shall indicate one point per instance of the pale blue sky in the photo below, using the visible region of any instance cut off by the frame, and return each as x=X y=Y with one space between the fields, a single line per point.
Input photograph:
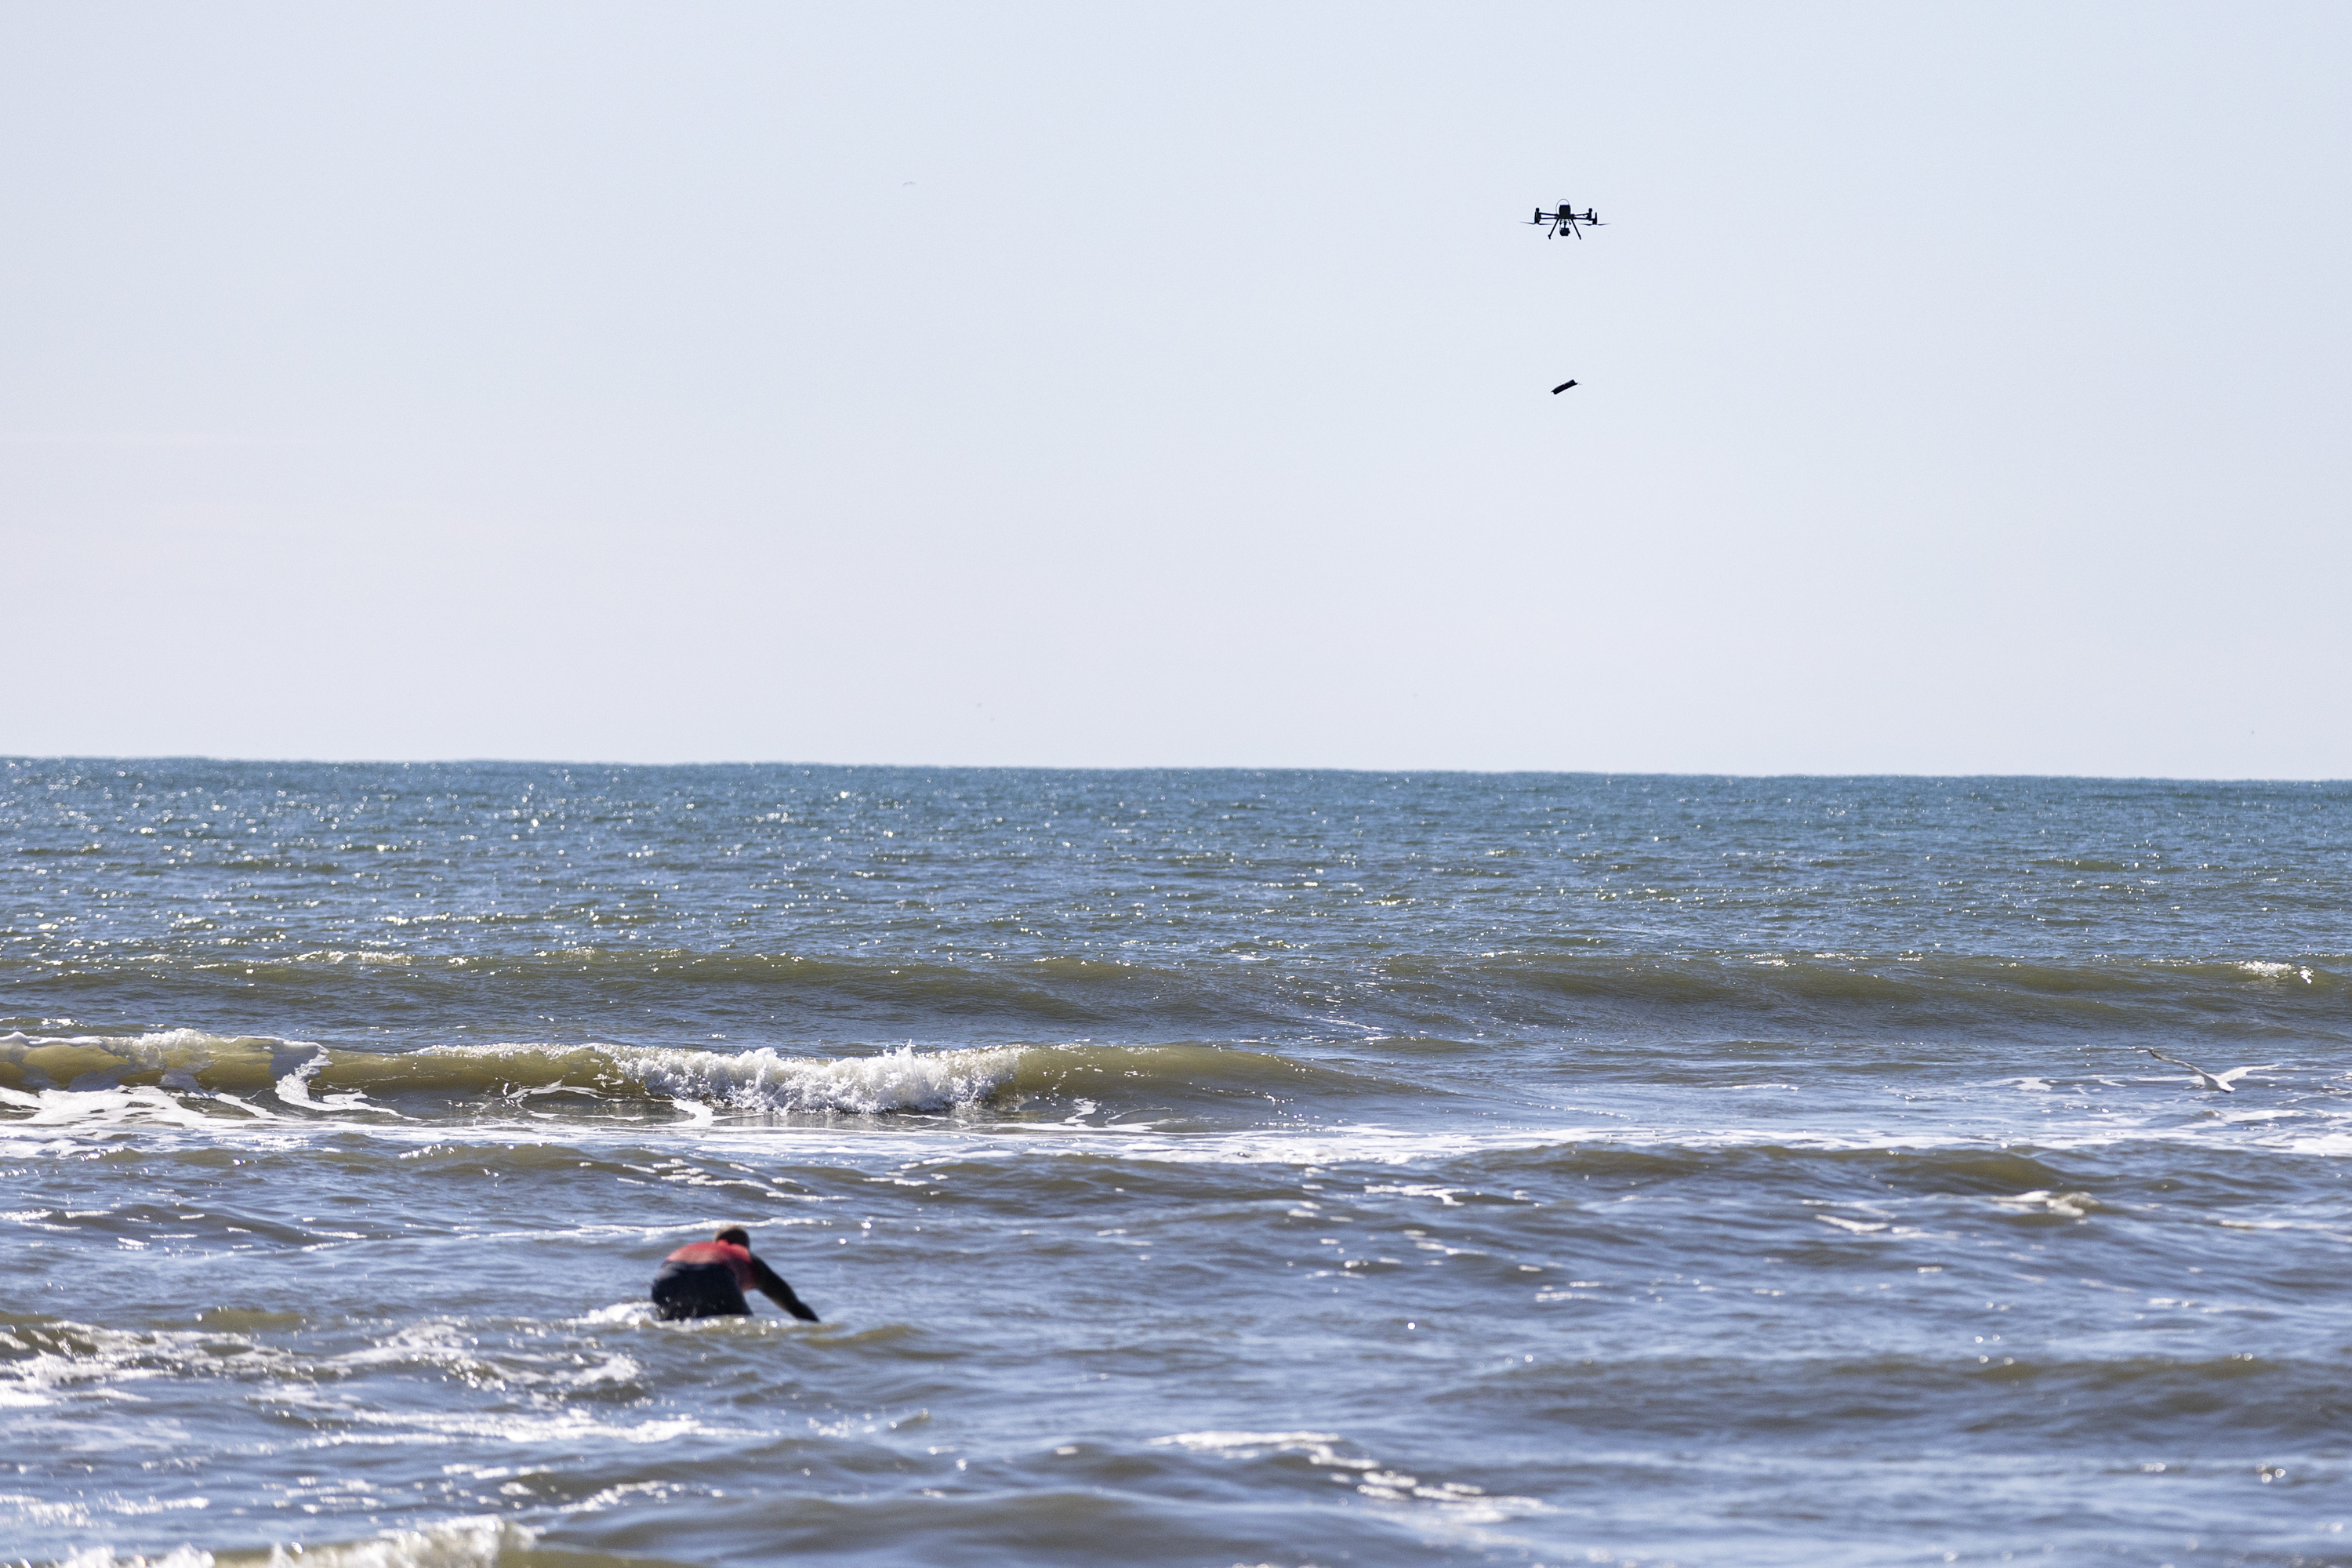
x=1965 y=388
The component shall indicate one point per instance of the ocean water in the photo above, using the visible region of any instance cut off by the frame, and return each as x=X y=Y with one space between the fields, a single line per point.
x=1191 y=1168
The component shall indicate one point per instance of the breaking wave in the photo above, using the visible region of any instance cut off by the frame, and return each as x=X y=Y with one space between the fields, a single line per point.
x=187 y=1078
x=453 y=1543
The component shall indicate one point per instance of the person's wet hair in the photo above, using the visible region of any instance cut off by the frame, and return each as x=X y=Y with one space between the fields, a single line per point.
x=736 y=1234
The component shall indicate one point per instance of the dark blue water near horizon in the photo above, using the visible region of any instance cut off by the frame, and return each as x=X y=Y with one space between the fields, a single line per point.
x=1212 y=1167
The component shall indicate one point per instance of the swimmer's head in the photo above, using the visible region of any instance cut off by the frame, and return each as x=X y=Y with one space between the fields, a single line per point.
x=736 y=1234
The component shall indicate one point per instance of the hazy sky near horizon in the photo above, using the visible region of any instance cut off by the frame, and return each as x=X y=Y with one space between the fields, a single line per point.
x=1965 y=388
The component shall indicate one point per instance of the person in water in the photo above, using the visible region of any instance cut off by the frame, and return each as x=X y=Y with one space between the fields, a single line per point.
x=708 y=1279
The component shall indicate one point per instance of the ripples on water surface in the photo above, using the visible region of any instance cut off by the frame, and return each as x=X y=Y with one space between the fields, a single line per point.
x=1193 y=1168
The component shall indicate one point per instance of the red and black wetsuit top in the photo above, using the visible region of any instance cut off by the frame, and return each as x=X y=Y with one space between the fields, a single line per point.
x=738 y=1260
x=709 y=1279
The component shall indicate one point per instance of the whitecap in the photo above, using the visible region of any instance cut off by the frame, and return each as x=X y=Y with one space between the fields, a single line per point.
x=762 y=1079
x=294 y=1088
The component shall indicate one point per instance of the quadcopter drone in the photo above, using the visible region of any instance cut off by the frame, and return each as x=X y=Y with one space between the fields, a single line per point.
x=1566 y=217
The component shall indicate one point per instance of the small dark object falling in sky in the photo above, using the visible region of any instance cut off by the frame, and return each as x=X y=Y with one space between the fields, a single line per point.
x=1563 y=387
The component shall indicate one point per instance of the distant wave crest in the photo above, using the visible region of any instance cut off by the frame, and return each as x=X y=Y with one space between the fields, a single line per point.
x=187 y=1078
x=761 y=1080
x=172 y=1075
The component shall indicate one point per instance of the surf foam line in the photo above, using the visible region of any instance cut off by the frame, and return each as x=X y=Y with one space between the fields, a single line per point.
x=469 y=1543
x=1458 y=1157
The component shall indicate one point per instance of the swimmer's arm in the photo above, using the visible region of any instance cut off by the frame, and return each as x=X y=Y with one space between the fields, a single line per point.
x=772 y=1285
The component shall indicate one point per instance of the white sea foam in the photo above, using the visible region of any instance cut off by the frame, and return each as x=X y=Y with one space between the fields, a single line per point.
x=86 y=1114
x=1319 y=1444
x=2065 y=1205
x=766 y=1080
x=113 y=1107
x=80 y=1367
x=104 y=1557
x=294 y=1088
x=457 y=1543
x=362 y=956
x=1462 y=1503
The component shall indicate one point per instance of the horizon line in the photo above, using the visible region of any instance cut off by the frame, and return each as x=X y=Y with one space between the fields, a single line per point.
x=13 y=760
